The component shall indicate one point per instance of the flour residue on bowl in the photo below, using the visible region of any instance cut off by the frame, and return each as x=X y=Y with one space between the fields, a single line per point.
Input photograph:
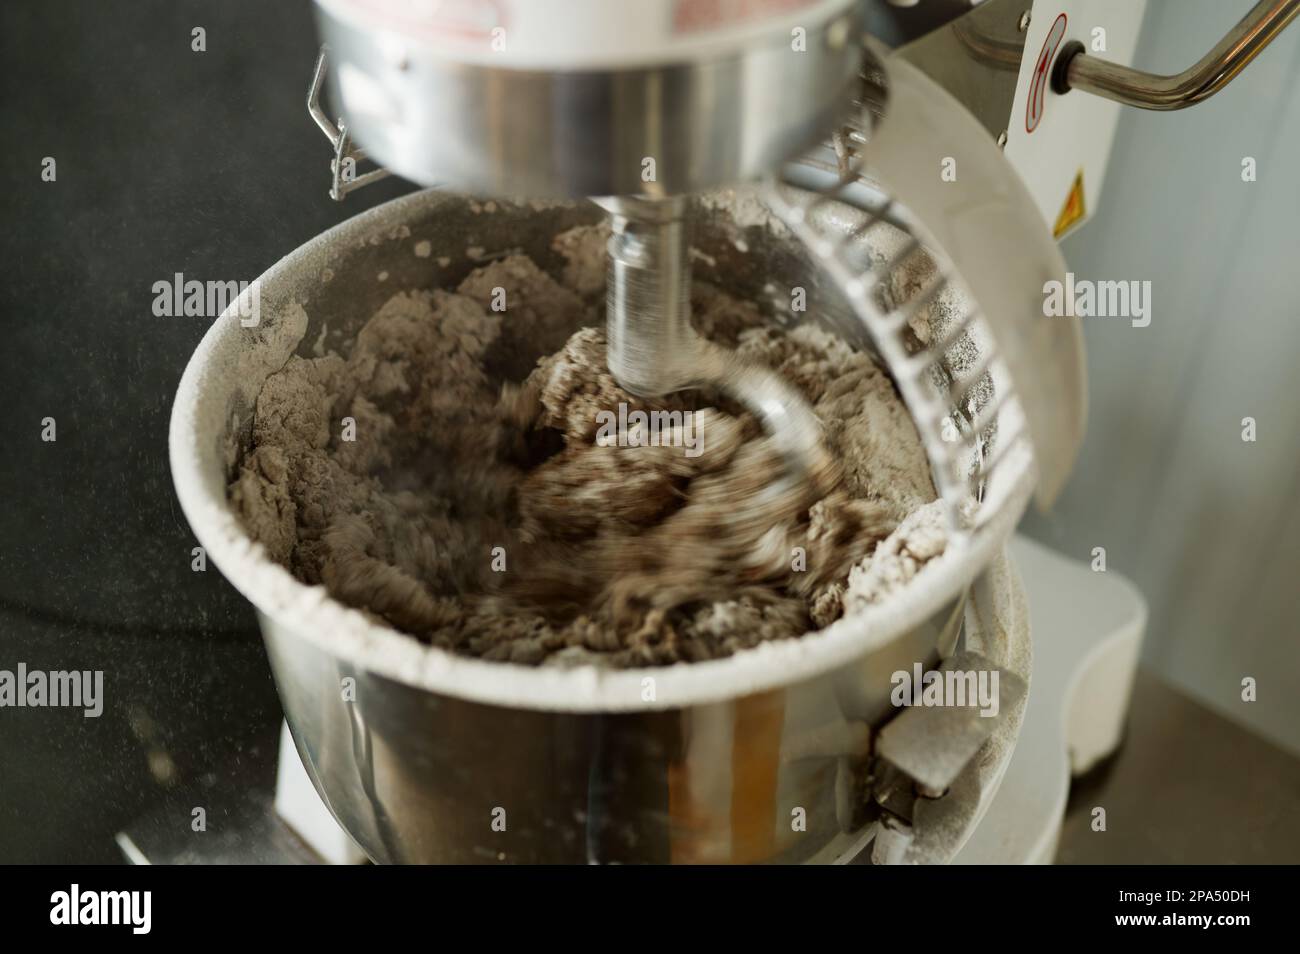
x=448 y=477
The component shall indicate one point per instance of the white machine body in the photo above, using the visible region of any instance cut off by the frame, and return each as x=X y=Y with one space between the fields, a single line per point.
x=1061 y=144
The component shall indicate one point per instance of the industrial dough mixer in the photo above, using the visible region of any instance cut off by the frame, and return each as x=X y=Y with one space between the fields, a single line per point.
x=870 y=167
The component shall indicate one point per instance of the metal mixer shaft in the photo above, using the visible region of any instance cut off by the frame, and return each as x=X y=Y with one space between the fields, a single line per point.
x=653 y=350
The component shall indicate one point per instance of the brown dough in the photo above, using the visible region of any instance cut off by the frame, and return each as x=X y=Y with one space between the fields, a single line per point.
x=476 y=430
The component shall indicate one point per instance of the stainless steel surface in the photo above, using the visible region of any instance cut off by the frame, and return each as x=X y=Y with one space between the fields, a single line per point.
x=420 y=776
x=648 y=296
x=933 y=744
x=416 y=776
x=1211 y=73
x=1162 y=785
x=529 y=132
x=976 y=58
x=652 y=349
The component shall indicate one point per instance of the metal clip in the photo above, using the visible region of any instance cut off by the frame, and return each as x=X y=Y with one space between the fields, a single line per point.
x=344 y=165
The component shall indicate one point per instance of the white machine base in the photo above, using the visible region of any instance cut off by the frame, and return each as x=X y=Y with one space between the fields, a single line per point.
x=1088 y=630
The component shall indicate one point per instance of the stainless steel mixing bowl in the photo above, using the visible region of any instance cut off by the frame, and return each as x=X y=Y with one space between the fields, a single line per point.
x=426 y=757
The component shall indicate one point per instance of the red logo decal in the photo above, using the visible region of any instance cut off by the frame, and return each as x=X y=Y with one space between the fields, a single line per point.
x=1042 y=71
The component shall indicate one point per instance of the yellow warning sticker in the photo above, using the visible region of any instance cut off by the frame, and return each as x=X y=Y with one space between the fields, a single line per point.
x=1073 y=211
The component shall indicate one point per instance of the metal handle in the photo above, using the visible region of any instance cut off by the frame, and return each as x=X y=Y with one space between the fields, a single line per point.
x=346 y=158
x=1214 y=71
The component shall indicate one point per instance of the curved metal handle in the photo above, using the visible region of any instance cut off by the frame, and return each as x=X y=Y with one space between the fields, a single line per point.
x=1214 y=71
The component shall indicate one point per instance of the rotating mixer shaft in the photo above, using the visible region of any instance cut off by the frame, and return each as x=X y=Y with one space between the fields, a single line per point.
x=653 y=350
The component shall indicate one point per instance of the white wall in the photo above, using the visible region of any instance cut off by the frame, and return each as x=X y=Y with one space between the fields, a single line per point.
x=1206 y=525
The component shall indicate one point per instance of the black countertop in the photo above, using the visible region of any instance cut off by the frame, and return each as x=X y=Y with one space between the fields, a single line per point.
x=167 y=160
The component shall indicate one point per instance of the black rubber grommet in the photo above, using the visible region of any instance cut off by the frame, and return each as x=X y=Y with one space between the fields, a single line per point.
x=1060 y=81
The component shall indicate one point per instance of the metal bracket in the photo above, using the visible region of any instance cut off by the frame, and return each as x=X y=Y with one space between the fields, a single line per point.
x=343 y=167
x=932 y=746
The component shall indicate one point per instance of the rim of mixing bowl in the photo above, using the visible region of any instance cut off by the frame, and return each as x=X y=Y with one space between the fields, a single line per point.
x=222 y=364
